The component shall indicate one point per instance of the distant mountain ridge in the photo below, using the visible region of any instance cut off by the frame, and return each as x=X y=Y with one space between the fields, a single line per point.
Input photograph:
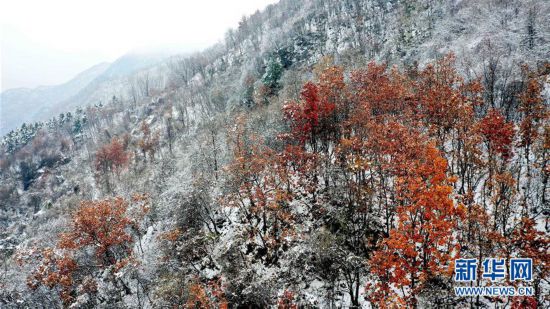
x=23 y=105
x=26 y=105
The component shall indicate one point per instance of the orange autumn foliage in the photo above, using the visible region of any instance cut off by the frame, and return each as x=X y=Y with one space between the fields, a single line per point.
x=103 y=227
x=111 y=157
x=55 y=270
x=497 y=133
x=422 y=245
x=533 y=110
x=442 y=96
x=379 y=93
x=206 y=296
x=262 y=180
x=149 y=143
x=527 y=241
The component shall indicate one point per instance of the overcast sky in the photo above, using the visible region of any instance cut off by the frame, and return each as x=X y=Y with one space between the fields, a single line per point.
x=47 y=42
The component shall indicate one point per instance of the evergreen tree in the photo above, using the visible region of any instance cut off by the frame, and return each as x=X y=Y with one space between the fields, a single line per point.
x=272 y=75
x=77 y=126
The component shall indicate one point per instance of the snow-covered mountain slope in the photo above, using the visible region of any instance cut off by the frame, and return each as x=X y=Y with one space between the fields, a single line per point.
x=241 y=211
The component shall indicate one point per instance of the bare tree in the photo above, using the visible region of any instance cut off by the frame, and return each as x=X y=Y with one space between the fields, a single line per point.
x=169 y=127
x=181 y=69
x=133 y=89
x=145 y=83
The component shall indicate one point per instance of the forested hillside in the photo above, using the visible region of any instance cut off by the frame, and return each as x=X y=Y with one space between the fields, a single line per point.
x=327 y=154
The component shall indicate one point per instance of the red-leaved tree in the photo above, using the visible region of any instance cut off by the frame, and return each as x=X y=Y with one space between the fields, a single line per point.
x=421 y=246
x=104 y=228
